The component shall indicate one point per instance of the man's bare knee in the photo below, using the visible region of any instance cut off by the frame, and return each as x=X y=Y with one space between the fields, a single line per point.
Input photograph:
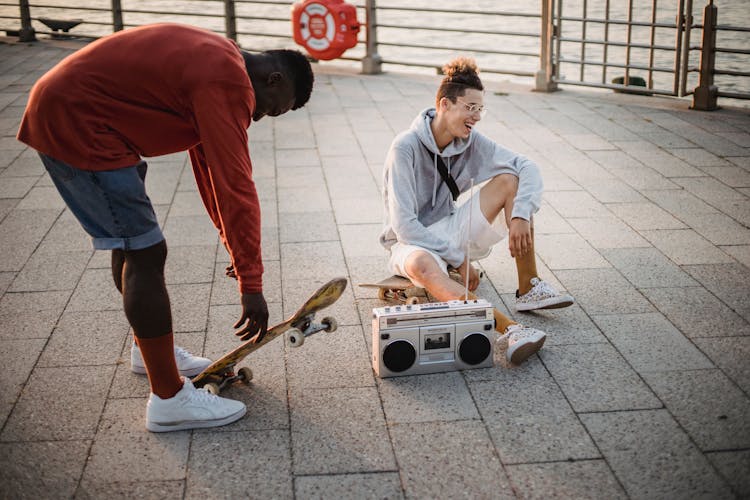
x=422 y=267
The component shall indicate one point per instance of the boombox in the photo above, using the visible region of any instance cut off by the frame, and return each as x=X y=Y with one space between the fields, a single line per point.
x=434 y=337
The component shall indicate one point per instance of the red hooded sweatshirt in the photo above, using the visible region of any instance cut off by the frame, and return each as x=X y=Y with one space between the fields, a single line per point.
x=151 y=91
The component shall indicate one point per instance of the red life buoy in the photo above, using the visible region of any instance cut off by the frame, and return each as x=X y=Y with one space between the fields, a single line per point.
x=326 y=28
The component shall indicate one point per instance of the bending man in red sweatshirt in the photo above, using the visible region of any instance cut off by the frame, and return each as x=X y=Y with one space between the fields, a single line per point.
x=152 y=91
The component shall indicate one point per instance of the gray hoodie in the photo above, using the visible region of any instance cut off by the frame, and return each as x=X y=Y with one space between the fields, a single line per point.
x=416 y=197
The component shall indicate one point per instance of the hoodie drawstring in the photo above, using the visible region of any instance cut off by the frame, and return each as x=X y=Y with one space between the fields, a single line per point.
x=435 y=183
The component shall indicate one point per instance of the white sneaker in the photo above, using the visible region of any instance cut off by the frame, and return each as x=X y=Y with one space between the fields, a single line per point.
x=187 y=364
x=522 y=342
x=191 y=408
x=542 y=296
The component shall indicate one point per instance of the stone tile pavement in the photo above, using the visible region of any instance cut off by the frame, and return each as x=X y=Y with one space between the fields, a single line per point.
x=641 y=391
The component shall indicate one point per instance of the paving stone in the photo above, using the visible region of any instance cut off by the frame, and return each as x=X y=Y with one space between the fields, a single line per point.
x=641 y=177
x=190 y=231
x=147 y=490
x=739 y=252
x=720 y=229
x=304 y=200
x=53 y=408
x=728 y=282
x=733 y=465
x=709 y=189
x=307 y=227
x=685 y=246
x=696 y=312
x=647 y=268
x=382 y=485
x=567 y=251
x=212 y=475
x=603 y=291
x=595 y=378
x=679 y=203
x=326 y=440
x=26 y=325
x=96 y=291
x=86 y=338
x=20 y=233
x=51 y=271
x=607 y=232
x=585 y=479
x=732 y=176
x=194 y=264
x=711 y=409
x=652 y=457
x=427 y=398
x=531 y=422
x=320 y=259
x=449 y=460
x=730 y=354
x=6 y=279
x=575 y=204
x=123 y=449
x=548 y=221
x=48 y=469
x=329 y=360
x=650 y=343
x=361 y=240
x=189 y=306
x=66 y=235
x=645 y=216
x=287 y=157
x=41 y=198
x=570 y=325
x=16 y=187
x=698 y=157
x=18 y=357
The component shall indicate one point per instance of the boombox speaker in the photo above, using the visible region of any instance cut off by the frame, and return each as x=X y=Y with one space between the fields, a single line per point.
x=435 y=337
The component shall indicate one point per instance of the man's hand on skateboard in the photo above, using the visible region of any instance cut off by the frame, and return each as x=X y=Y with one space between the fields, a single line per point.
x=254 y=320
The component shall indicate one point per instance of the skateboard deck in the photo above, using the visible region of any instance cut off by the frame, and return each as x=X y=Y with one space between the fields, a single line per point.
x=401 y=289
x=301 y=324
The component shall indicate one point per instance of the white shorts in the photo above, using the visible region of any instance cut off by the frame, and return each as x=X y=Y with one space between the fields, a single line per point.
x=456 y=228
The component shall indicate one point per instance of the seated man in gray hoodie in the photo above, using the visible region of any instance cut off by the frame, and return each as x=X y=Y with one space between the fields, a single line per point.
x=426 y=169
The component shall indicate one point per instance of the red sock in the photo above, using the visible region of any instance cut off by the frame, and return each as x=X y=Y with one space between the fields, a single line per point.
x=158 y=356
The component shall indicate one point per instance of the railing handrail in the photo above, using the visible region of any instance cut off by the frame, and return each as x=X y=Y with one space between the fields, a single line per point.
x=593 y=51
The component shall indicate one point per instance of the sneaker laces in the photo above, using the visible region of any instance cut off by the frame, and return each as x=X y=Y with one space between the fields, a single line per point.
x=181 y=354
x=203 y=396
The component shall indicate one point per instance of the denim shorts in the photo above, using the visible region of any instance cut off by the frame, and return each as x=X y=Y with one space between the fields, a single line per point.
x=111 y=205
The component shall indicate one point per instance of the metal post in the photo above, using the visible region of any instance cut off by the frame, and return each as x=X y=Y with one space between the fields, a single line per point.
x=117 y=24
x=230 y=20
x=26 y=33
x=544 y=81
x=706 y=93
x=372 y=63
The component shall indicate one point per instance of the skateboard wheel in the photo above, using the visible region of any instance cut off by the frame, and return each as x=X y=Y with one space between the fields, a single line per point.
x=212 y=388
x=330 y=323
x=294 y=337
x=245 y=374
x=412 y=301
x=383 y=294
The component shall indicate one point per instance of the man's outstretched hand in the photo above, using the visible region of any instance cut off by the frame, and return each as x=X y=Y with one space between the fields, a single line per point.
x=254 y=320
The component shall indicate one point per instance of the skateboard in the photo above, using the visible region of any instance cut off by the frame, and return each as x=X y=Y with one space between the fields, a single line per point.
x=221 y=372
x=401 y=289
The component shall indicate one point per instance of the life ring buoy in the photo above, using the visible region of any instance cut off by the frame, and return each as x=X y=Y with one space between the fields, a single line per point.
x=326 y=28
x=317 y=26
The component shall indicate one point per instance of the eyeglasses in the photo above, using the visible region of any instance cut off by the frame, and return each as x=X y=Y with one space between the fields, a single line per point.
x=473 y=108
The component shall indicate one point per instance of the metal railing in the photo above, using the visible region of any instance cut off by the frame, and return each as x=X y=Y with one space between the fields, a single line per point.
x=595 y=43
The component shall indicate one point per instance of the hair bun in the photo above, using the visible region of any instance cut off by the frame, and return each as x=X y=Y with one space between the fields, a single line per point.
x=461 y=68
